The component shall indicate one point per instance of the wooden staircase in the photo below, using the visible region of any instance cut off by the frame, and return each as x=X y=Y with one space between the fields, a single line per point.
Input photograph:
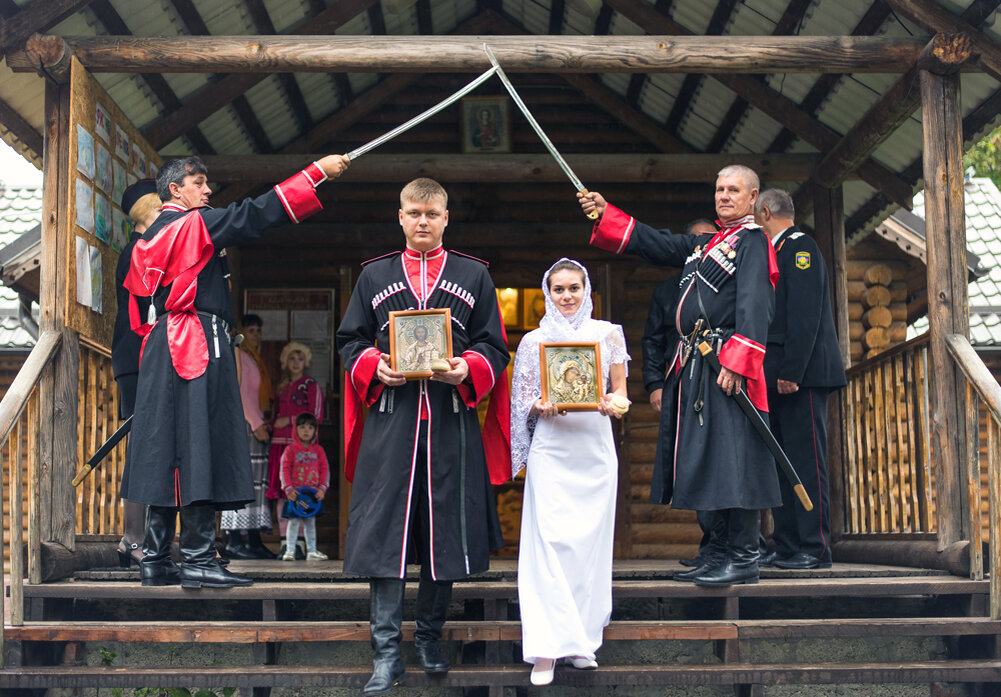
x=947 y=610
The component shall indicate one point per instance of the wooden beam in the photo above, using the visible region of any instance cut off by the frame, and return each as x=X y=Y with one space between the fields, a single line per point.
x=530 y=54
x=788 y=24
x=774 y=104
x=870 y=23
x=290 y=88
x=882 y=119
x=936 y=19
x=54 y=500
x=633 y=167
x=358 y=109
x=161 y=89
x=193 y=23
x=948 y=303
x=724 y=8
x=17 y=126
x=39 y=16
x=603 y=21
x=212 y=98
x=633 y=119
x=609 y=101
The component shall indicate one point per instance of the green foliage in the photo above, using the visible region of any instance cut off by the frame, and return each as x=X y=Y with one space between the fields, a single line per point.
x=985 y=157
x=107 y=656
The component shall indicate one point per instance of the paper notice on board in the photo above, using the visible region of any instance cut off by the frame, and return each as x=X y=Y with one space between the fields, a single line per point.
x=84 y=151
x=310 y=324
x=84 y=205
x=275 y=324
x=96 y=280
x=83 y=282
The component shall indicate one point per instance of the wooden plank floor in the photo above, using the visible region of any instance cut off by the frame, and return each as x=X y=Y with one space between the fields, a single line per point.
x=500 y=569
x=981 y=671
x=231 y=632
x=802 y=587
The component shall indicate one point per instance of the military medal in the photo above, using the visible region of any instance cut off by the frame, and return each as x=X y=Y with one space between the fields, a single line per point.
x=731 y=254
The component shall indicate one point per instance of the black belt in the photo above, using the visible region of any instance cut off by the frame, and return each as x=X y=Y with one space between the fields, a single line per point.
x=208 y=315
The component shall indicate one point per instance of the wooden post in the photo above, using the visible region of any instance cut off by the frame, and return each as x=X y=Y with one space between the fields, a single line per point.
x=614 y=305
x=829 y=224
x=56 y=500
x=948 y=306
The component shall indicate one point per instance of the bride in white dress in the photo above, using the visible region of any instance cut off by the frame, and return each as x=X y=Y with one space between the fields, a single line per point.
x=568 y=515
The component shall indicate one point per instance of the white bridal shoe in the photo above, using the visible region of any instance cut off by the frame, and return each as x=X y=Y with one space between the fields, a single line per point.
x=581 y=663
x=542 y=671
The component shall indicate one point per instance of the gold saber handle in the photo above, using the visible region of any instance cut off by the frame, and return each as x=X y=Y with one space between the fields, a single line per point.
x=82 y=474
x=593 y=215
x=803 y=497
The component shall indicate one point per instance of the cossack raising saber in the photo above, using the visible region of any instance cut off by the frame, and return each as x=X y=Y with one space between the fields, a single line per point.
x=574 y=179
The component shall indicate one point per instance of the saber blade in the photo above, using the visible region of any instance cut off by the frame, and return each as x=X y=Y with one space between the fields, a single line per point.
x=571 y=175
x=448 y=101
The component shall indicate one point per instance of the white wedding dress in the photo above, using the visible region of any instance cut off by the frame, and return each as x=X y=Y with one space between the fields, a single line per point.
x=568 y=514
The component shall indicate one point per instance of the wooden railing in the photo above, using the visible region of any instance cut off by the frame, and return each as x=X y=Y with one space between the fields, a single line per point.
x=887 y=472
x=981 y=387
x=19 y=427
x=99 y=511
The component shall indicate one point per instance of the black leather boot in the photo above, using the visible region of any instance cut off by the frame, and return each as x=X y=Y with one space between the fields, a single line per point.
x=156 y=568
x=256 y=547
x=198 y=558
x=130 y=549
x=713 y=554
x=432 y=607
x=235 y=549
x=386 y=595
x=741 y=564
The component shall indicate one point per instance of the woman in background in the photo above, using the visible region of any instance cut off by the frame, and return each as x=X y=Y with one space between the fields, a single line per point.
x=142 y=205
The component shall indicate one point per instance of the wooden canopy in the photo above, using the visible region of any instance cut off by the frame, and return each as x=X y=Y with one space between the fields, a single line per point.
x=851 y=104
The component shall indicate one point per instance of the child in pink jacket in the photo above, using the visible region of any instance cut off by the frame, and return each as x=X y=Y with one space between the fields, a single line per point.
x=304 y=464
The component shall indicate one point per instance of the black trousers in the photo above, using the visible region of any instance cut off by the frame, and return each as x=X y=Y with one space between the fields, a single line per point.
x=799 y=422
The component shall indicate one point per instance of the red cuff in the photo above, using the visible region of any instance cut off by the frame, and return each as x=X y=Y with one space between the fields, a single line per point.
x=362 y=373
x=613 y=231
x=743 y=356
x=481 y=379
x=298 y=195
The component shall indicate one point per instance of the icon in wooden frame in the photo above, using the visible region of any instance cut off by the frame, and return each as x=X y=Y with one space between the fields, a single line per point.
x=416 y=337
x=571 y=375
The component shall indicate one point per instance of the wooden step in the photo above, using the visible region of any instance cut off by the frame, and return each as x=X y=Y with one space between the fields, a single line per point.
x=806 y=586
x=461 y=630
x=278 y=632
x=300 y=676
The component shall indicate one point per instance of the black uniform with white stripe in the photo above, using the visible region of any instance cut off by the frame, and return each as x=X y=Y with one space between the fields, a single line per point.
x=422 y=481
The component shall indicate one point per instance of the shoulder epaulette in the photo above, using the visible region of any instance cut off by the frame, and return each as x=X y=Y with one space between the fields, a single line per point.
x=381 y=256
x=470 y=256
x=796 y=235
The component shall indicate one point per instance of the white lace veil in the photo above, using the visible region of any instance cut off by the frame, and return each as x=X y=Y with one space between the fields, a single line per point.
x=526 y=386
